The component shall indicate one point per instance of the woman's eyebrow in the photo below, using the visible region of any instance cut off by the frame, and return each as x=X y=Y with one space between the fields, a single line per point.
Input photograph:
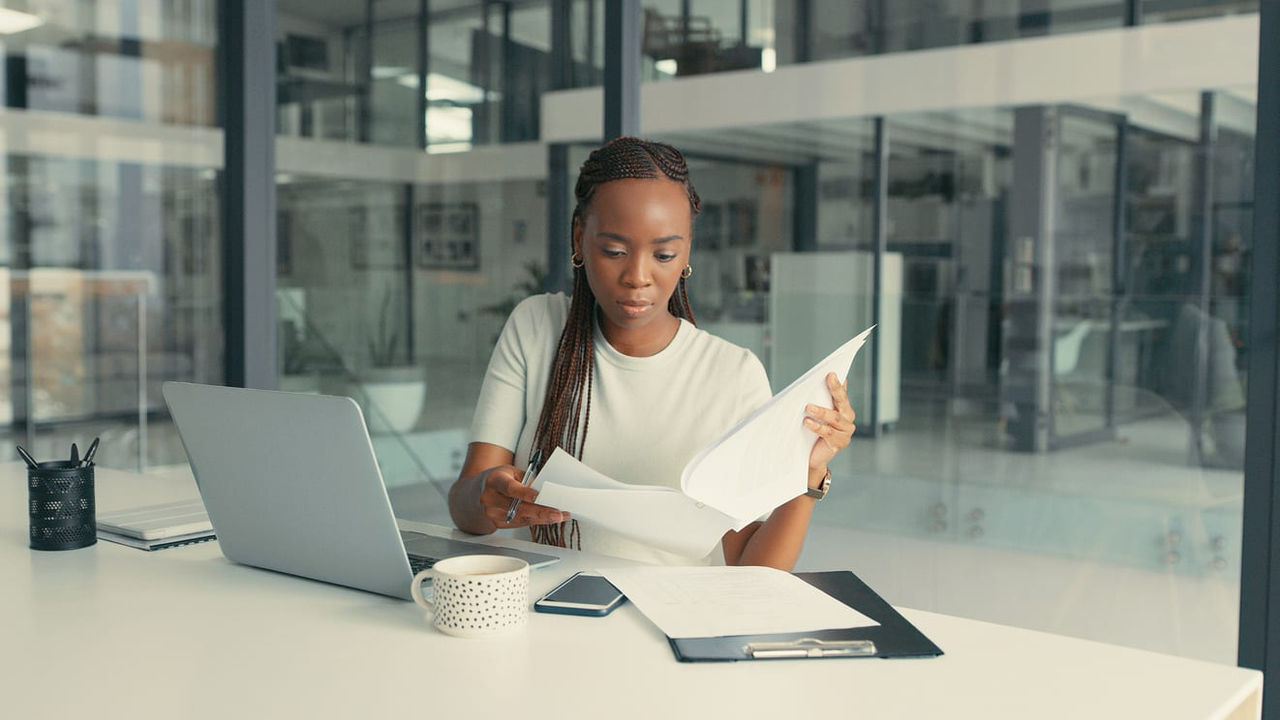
x=625 y=239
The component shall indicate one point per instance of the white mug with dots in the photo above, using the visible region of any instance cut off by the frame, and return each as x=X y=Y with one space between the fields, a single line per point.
x=476 y=595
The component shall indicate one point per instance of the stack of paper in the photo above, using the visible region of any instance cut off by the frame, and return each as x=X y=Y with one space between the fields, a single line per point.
x=694 y=602
x=750 y=470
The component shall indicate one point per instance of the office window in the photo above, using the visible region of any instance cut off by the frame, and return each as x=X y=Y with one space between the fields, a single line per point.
x=1060 y=429
x=110 y=260
x=352 y=72
x=394 y=293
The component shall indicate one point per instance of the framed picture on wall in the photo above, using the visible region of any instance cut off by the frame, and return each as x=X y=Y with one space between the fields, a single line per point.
x=447 y=236
x=376 y=243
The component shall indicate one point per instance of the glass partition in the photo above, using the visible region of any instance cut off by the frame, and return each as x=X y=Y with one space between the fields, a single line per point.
x=1123 y=524
x=110 y=263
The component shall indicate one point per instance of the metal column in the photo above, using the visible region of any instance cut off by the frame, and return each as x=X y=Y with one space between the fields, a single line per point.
x=557 y=185
x=621 y=68
x=880 y=245
x=247 y=97
x=1259 y=638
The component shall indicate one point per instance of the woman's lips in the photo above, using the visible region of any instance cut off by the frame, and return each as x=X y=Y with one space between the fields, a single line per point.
x=634 y=309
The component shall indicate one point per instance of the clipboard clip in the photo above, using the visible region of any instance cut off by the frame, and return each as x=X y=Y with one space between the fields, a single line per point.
x=810 y=648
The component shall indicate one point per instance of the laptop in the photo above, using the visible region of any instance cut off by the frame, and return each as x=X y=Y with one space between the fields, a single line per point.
x=291 y=484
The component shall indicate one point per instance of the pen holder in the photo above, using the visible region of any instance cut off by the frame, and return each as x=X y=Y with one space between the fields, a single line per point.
x=61 y=506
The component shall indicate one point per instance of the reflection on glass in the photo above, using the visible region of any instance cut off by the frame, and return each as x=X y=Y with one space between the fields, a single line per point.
x=679 y=39
x=394 y=294
x=354 y=73
x=1083 y=244
x=1126 y=527
x=111 y=279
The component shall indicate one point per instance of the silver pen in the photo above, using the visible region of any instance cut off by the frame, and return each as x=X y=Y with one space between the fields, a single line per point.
x=529 y=473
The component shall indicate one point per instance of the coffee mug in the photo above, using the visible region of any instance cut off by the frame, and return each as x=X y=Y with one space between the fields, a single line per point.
x=476 y=595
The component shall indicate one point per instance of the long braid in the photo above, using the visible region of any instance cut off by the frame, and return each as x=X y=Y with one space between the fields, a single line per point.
x=567 y=402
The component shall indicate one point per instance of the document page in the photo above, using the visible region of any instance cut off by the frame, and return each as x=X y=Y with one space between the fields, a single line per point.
x=661 y=517
x=753 y=468
x=764 y=460
x=695 y=602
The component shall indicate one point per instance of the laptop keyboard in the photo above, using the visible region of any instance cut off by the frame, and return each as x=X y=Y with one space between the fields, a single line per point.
x=418 y=563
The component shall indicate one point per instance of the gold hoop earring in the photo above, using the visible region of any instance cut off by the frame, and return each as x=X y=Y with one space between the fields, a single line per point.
x=688 y=270
x=576 y=260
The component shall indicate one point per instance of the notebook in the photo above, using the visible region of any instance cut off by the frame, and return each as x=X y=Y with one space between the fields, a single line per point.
x=156 y=527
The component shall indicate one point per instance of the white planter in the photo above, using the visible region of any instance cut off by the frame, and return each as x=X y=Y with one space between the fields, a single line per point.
x=392 y=399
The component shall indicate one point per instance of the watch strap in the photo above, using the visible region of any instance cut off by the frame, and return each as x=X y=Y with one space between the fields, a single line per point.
x=821 y=491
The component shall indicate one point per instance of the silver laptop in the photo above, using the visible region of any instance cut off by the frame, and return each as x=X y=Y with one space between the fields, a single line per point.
x=291 y=484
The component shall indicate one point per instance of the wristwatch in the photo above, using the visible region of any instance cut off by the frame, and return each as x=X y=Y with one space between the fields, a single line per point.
x=821 y=491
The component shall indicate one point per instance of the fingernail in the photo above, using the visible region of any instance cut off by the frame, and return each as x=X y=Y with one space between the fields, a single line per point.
x=810 y=408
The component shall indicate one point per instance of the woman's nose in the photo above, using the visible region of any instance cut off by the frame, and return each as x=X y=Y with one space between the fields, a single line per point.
x=637 y=273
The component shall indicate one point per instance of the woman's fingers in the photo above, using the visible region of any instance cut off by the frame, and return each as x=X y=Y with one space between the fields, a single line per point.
x=501 y=488
x=829 y=416
x=527 y=513
x=834 y=437
x=840 y=395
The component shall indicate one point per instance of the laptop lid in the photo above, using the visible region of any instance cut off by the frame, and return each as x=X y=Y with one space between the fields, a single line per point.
x=291 y=484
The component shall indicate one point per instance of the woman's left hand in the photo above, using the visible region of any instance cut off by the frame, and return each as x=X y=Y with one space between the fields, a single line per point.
x=834 y=427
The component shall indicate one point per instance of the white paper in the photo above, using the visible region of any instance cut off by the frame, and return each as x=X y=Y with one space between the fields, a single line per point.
x=764 y=460
x=757 y=465
x=657 y=516
x=694 y=602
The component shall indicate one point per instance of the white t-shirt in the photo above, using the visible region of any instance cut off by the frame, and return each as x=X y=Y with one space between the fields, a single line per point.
x=649 y=415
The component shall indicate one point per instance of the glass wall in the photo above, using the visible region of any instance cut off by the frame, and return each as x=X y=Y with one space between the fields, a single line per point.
x=682 y=38
x=109 y=254
x=403 y=249
x=1064 y=455
x=352 y=72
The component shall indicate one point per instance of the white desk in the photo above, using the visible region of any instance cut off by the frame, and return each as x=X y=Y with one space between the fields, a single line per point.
x=109 y=631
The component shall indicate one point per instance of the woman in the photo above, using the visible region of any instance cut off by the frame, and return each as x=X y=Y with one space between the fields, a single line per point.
x=624 y=360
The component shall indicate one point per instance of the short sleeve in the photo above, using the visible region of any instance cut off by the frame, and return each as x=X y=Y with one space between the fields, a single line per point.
x=500 y=411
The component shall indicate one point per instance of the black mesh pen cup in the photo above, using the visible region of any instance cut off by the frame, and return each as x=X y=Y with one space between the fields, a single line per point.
x=61 y=507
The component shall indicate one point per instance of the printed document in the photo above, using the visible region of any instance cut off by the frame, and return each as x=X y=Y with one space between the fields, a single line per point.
x=696 y=602
x=753 y=468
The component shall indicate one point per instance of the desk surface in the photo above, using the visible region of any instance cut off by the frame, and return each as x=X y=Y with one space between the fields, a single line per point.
x=110 y=631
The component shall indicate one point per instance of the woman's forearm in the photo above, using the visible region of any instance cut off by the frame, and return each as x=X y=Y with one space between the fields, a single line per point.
x=777 y=542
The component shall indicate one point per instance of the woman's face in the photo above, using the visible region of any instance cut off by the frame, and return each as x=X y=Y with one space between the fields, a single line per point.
x=634 y=242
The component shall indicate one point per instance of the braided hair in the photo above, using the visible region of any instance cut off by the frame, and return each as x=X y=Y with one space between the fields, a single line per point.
x=566 y=408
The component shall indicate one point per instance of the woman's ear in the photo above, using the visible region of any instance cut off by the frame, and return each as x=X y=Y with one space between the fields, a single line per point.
x=577 y=235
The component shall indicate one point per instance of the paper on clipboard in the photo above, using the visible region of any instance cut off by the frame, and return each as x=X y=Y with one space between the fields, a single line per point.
x=753 y=468
x=692 y=602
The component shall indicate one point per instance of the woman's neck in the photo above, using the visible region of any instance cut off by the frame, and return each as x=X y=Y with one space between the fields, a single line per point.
x=643 y=341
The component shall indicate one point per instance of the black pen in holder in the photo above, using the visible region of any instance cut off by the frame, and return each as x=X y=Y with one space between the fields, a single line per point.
x=60 y=495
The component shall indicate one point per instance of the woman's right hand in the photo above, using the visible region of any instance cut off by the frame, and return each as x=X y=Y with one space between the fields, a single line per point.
x=502 y=484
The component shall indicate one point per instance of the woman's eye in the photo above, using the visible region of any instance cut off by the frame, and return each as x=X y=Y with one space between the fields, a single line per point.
x=609 y=252
x=666 y=257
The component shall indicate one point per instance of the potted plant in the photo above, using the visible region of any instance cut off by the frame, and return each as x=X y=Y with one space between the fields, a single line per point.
x=392 y=387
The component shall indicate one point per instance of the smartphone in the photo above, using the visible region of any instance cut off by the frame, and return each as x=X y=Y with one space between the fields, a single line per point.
x=583 y=594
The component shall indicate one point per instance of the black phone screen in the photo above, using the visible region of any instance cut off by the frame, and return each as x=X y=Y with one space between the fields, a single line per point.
x=586 y=590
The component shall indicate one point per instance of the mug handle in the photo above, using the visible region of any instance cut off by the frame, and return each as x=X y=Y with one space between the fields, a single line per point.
x=415 y=589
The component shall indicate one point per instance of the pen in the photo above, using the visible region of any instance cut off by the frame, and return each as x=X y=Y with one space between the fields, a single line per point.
x=75 y=455
x=88 y=455
x=529 y=474
x=26 y=456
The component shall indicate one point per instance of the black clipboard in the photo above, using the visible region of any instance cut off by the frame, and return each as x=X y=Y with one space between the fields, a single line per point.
x=894 y=637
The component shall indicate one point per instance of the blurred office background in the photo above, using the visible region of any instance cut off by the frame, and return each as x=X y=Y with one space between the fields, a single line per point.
x=1046 y=206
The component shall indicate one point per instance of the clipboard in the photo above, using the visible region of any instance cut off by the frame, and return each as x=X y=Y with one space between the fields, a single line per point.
x=894 y=637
